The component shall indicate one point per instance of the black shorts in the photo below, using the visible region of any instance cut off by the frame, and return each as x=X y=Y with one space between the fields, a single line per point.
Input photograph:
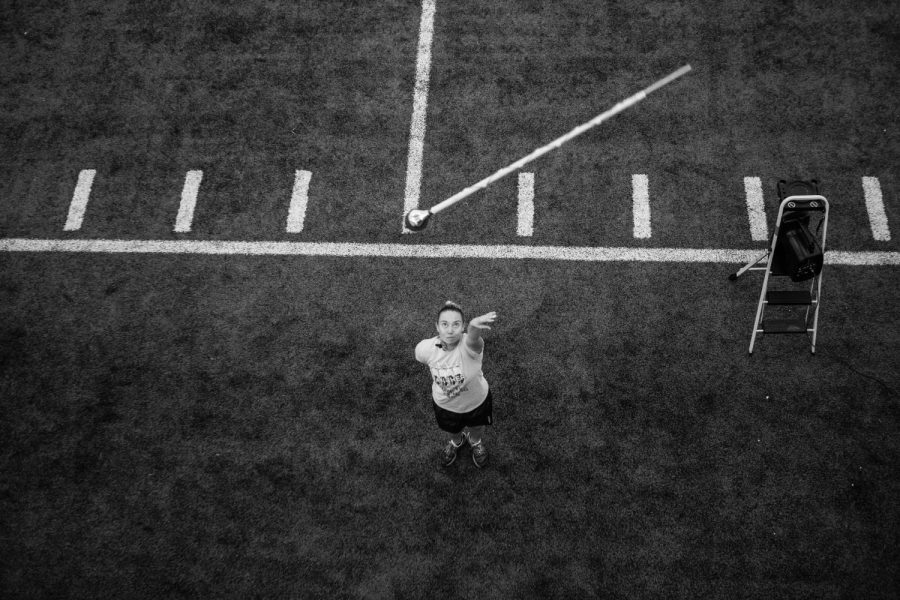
x=452 y=422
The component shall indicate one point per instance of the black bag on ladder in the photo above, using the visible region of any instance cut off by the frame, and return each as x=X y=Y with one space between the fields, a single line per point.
x=802 y=258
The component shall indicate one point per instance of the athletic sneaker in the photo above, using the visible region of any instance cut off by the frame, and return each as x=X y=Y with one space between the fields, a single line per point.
x=449 y=453
x=479 y=454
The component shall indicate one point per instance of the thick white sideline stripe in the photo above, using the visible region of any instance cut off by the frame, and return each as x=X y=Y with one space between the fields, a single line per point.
x=525 y=225
x=640 y=186
x=349 y=249
x=188 y=201
x=299 y=199
x=875 y=208
x=756 y=209
x=79 y=200
x=420 y=106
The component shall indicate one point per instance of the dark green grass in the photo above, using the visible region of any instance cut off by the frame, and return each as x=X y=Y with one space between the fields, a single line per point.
x=250 y=93
x=257 y=430
x=240 y=427
x=777 y=92
x=144 y=92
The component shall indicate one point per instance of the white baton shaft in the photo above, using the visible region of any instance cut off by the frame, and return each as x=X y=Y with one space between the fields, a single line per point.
x=559 y=141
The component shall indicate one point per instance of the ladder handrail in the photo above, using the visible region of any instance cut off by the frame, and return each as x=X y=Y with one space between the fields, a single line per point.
x=803 y=198
x=816 y=282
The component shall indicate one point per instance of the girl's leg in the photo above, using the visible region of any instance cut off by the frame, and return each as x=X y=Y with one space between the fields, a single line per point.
x=475 y=434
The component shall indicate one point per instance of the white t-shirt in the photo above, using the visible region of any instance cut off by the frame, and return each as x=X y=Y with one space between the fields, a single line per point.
x=449 y=368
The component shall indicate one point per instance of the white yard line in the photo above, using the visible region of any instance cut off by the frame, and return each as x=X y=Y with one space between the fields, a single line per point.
x=80 y=200
x=875 y=207
x=351 y=249
x=185 y=217
x=640 y=186
x=525 y=226
x=299 y=200
x=420 y=107
x=756 y=209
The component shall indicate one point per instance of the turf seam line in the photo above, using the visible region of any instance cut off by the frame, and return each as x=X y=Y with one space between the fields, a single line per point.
x=640 y=192
x=396 y=250
x=185 y=217
x=756 y=209
x=525 y=224
x=299 y=200
x=420 y=108
x=875 y=208
x=79 y=200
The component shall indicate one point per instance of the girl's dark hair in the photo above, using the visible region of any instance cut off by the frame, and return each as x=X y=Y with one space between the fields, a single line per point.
x=448 y=305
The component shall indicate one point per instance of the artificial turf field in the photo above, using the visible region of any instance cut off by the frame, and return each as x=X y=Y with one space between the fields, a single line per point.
x=256 y=426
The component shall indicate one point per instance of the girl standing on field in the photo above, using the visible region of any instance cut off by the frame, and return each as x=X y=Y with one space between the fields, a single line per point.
x=462 y=398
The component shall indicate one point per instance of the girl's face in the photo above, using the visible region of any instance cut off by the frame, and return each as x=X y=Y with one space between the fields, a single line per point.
x=450 y=327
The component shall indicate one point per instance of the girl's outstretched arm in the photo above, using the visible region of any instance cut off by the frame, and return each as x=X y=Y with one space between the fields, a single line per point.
x=477 y=326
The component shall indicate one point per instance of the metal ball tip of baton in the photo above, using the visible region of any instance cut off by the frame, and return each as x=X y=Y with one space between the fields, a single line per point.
x=417 y=219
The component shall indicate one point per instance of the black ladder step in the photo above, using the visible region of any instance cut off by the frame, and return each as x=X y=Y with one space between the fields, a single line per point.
x=789 y=297
x=783 y=326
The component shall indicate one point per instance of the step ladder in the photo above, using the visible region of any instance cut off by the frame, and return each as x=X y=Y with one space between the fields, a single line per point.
x=796 y=253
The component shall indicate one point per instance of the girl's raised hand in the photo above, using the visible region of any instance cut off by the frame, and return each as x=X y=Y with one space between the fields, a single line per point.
x=484 y=321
